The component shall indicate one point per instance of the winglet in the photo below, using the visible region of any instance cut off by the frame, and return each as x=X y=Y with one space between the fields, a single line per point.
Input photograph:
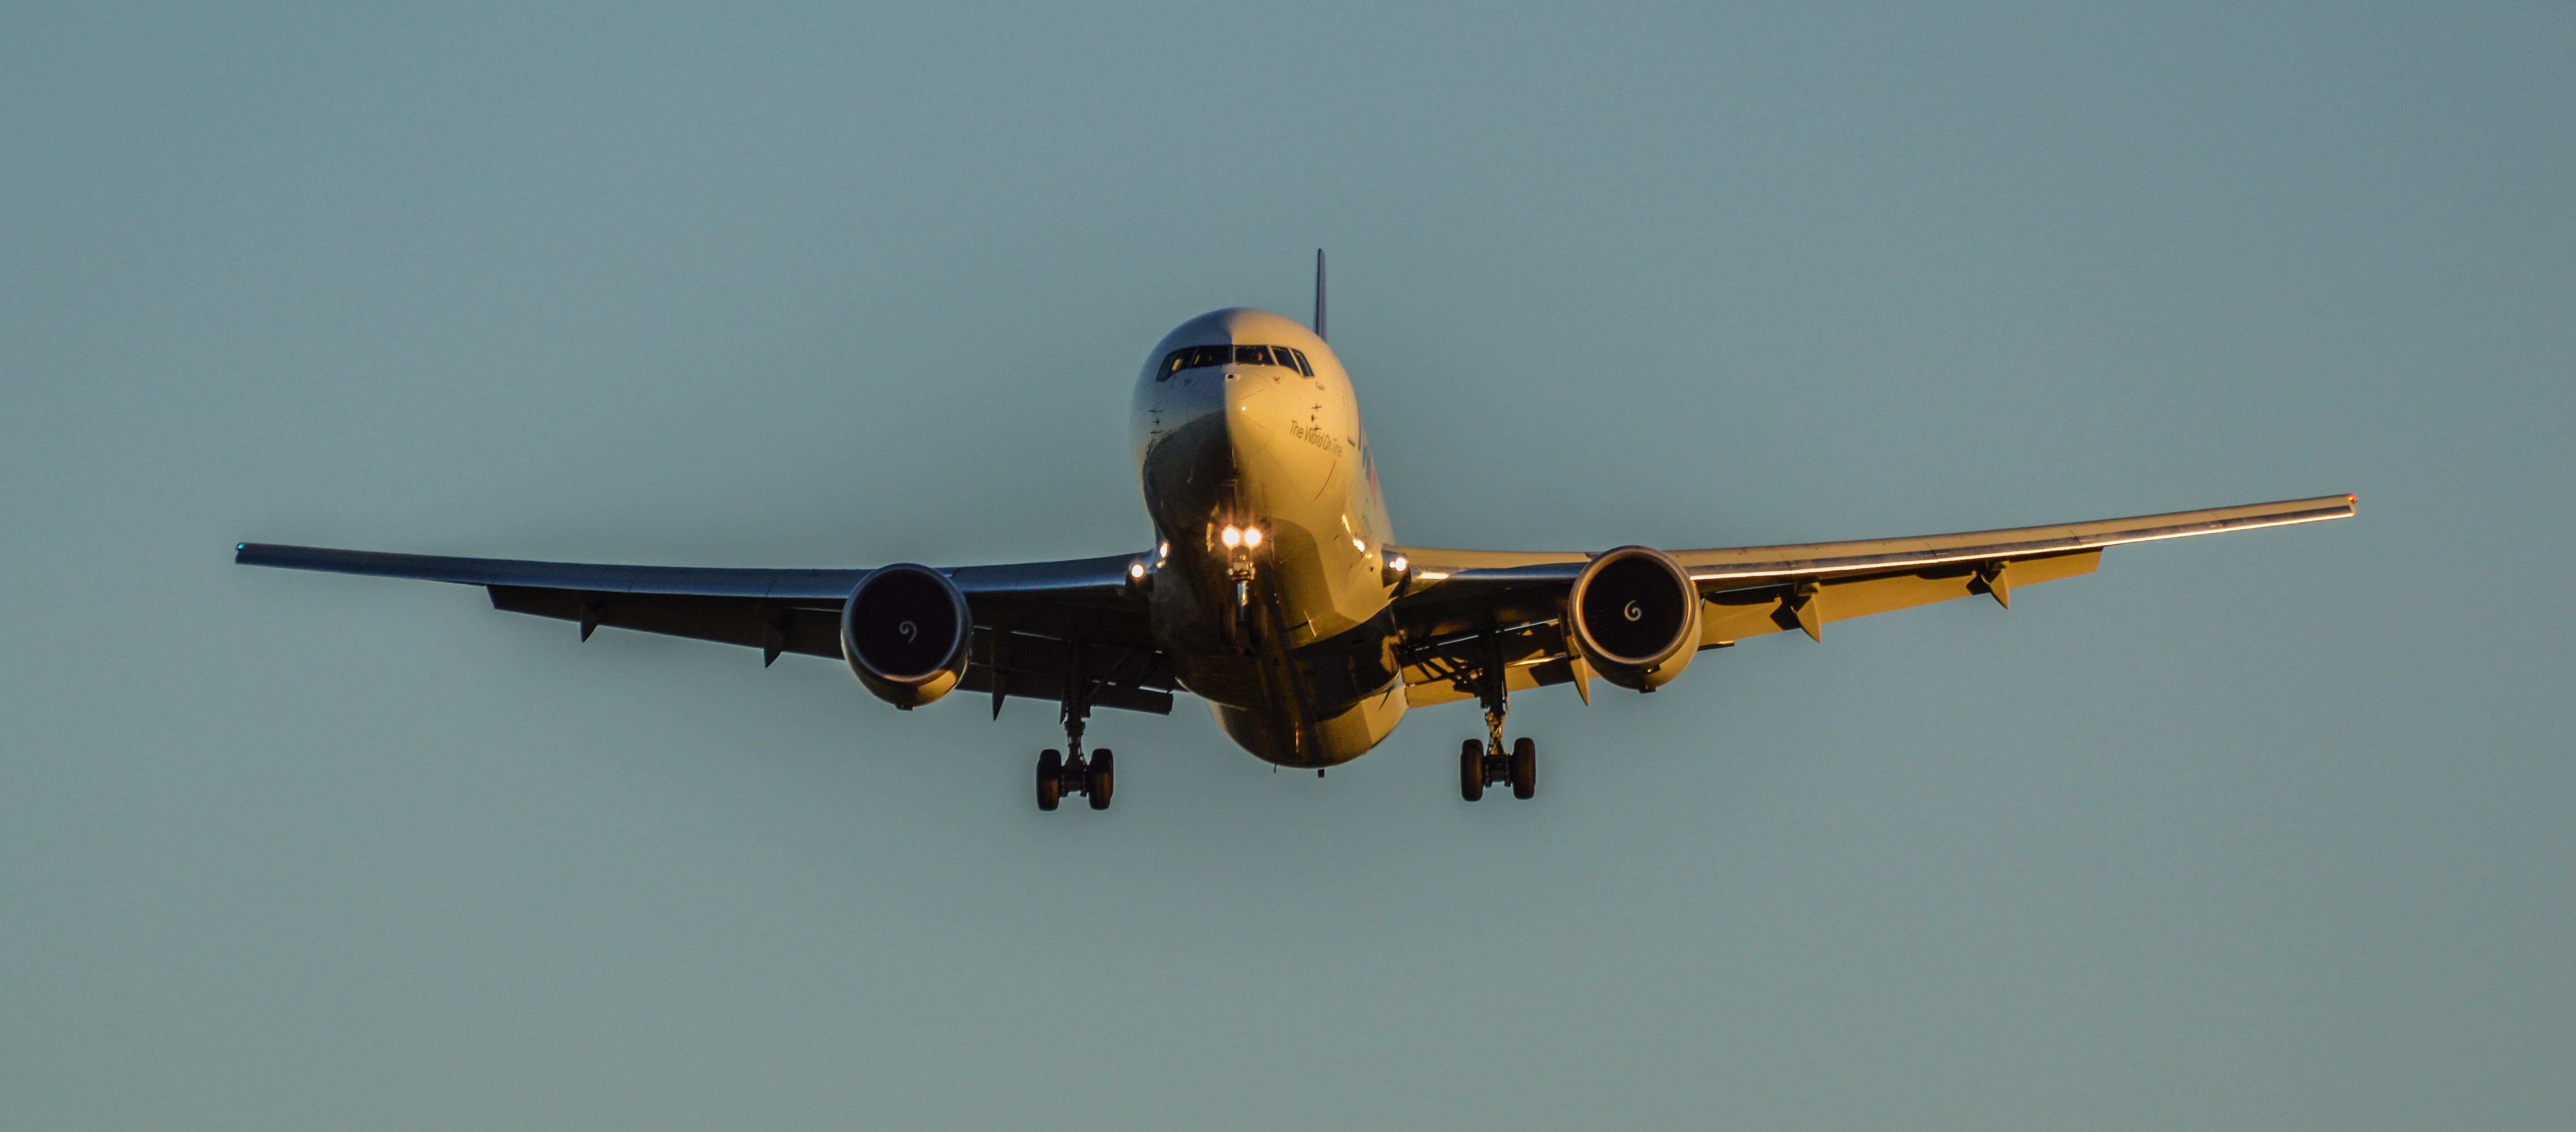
x=1319 y=292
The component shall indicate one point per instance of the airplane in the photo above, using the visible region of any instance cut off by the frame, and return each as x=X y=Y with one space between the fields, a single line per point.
x=1275 y=589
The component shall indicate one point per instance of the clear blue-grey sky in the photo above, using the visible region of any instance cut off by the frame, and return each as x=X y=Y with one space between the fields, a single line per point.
x=2271 y=830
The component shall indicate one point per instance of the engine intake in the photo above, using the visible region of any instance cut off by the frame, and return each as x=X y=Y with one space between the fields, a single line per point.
x=904 y=631
x=1635 y=617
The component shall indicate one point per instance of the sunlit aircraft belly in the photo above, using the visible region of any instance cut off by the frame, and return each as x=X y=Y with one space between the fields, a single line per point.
x=1290 y=641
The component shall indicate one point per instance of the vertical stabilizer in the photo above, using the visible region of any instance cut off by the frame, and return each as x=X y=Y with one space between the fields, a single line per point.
x=1319 y=292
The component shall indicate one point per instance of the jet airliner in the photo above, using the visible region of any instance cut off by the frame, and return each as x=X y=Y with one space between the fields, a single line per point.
x=1276 y=591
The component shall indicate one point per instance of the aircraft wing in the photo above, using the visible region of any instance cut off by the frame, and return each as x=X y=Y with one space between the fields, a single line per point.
x=1752 y=590
x=1029 y=617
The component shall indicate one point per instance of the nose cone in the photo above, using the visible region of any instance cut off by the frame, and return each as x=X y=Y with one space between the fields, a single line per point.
x=1260 y=402
x=1204 y=439
x=1203 y=431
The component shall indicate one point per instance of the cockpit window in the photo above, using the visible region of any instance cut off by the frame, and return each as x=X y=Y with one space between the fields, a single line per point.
x=1200 y=357
x=1194 y=357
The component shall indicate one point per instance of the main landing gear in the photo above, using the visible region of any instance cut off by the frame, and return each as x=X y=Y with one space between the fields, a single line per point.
x=1483 y=764
x=1059 y=773
x=1058 y=776
x=1480 y=766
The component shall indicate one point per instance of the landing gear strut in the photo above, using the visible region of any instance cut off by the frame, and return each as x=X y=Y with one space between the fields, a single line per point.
x=1484 y=764
x=1068 y=772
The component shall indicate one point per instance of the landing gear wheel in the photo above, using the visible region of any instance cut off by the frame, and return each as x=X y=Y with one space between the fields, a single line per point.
x=1050 y=779
x=1524 y=768
x=1103 y=769
x=1471 y=771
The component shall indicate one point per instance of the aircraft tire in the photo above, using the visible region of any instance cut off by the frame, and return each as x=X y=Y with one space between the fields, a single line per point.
x=1471 y=771
x=1103 y=777
x=1524 y=768
x=1050 y=779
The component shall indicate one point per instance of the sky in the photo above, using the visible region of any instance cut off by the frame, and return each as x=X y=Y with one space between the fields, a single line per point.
x=2266 y=830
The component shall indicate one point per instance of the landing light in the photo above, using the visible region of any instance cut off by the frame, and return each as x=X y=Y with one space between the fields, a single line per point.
x=1231 y=536
x=1399 y=564
x=1135 y=571
x=1163 y=551
x=1252 y=537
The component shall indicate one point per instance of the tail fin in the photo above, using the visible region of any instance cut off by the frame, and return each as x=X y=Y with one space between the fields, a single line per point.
x=1319 y=292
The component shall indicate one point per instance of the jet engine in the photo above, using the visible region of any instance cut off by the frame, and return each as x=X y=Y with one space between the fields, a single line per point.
x=904 y=631
x=1633 y=616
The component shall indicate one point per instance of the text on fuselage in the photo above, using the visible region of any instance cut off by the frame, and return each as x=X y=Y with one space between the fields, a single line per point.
x=1317 y=437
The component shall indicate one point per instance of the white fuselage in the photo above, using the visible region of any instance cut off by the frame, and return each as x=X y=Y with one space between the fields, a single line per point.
x=1283 y=626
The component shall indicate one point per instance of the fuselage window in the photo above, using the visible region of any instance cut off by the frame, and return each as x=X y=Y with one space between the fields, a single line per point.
x=1201 y=357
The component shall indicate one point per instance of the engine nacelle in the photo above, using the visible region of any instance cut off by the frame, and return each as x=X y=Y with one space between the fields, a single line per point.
x=1634 y=616
x=904 y=631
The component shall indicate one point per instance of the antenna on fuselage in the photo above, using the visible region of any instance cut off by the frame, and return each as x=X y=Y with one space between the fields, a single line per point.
x=1319 y=292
